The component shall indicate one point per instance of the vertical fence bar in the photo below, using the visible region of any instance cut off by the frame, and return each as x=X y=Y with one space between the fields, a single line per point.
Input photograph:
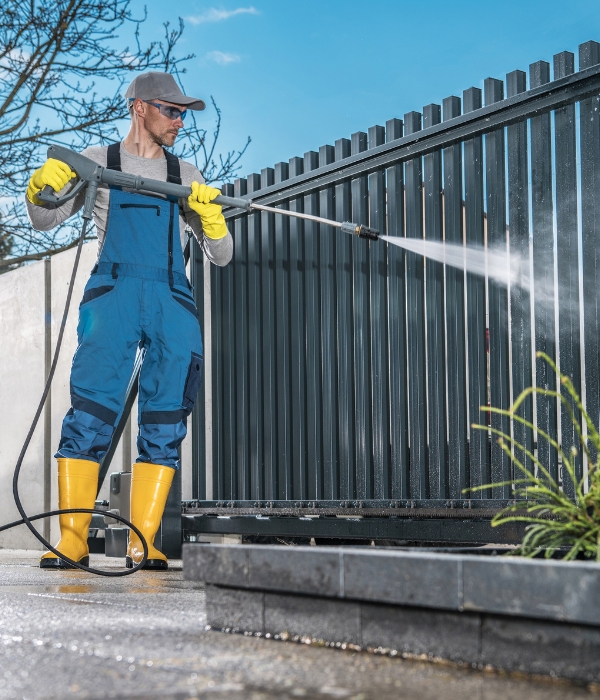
x=415 y=311
x=217 y=373
x=495 y=159
x=378 y=272
x=520 y=301
x=345 y=396
x=221 y=300
x=455 y=315
x=282 y=342
x=297 y=357
x=327 y=236
x=479 y=457
x=255 y=383
x=362 y=355
x=242 y=400
x=399 y=456
x=312 y=343
x=229 y=351
x=436 y=355
x=567 y=259
x=198 y=465
x=269 y=366
x=543 y=270
x=589 y=114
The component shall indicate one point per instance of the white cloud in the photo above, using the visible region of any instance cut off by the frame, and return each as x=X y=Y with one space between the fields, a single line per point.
x=214 y=15
x=129 y=59
x=222 y=58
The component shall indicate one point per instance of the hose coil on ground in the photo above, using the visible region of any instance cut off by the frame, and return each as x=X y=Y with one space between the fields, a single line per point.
x=27 y=520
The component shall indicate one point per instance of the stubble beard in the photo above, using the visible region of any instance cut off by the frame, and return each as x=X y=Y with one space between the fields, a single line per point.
x=165 y=139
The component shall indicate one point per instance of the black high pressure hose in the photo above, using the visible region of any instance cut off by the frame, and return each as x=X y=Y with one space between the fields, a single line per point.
x=27 y=520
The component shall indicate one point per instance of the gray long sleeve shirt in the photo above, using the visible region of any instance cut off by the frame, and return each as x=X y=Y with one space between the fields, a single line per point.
x=42 y=218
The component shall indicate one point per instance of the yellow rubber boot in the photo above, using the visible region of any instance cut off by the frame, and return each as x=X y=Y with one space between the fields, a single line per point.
x=77 y=486
x=150 y=484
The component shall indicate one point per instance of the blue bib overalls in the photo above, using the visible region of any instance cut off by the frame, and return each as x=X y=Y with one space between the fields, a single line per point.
x=137 y=299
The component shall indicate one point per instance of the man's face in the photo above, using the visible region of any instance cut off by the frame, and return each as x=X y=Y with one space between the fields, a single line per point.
x=162 y=129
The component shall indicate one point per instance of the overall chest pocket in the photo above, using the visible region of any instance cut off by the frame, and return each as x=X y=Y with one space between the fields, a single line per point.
x=135 y=205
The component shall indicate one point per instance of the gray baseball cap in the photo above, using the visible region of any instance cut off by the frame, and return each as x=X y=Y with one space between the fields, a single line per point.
x=160 y=86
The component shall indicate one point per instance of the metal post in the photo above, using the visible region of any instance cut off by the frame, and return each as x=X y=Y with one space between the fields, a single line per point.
x=48 y=451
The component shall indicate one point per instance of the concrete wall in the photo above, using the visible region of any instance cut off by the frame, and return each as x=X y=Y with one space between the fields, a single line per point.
x=24 y=362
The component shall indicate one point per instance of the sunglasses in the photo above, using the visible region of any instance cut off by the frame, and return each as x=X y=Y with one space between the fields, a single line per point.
x=168 y=111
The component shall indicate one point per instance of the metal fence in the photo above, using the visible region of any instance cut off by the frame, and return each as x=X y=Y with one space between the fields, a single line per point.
x=342 y=372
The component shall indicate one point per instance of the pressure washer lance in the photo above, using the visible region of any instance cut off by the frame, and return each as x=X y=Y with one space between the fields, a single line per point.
x=91 y=175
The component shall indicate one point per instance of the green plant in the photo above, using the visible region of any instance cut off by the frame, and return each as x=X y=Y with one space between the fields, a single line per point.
x=554 y=520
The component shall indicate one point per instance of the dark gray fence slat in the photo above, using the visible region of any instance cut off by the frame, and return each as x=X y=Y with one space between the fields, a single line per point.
x=455 y=315
x=223 y=361
x=198 y=465
x=282 y=343
x=220 y=289
x=255 y=383
x=313 y=332
x=520 y=301
x=327 y=239
x=297 y=357
x=436 y=351
x=399 y=455
x=242 y=399
x=362 y=355
x=345 y=395
x=567 y=259
x=589 y=55
x=543 y=269
x=378 y=274
x=269 y=367
x=501 y=467
x=479 y=457
x=415 y=321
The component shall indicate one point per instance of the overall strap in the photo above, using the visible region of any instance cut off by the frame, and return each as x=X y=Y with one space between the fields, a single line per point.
x=171 y=236
x=173 y=169
x=113 y=157
x=174 y=176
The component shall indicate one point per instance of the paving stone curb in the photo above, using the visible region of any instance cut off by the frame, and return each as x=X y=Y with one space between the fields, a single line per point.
x=540 y=617
x=549 y=590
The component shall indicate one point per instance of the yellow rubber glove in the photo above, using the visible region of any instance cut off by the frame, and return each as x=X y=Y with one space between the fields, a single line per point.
x=54 y=173
x=213 y=221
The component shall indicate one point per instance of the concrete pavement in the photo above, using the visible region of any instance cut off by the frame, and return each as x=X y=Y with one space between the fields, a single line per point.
x=71 y=635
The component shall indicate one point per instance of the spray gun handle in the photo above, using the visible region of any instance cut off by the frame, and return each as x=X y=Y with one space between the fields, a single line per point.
x=52 y=201
x=86 y=171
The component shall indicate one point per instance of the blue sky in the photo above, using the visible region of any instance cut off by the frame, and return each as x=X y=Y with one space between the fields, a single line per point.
x=297 y=75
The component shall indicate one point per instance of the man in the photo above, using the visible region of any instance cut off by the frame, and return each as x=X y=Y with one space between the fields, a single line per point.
x=137 y=297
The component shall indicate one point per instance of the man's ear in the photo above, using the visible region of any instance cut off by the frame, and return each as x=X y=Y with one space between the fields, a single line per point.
x=138 y=107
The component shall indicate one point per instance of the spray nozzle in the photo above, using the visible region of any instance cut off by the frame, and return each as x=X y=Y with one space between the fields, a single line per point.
x=365 y=232
x=359 y=230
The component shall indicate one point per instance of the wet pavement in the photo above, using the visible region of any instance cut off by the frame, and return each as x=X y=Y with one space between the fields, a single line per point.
x=72 y=635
